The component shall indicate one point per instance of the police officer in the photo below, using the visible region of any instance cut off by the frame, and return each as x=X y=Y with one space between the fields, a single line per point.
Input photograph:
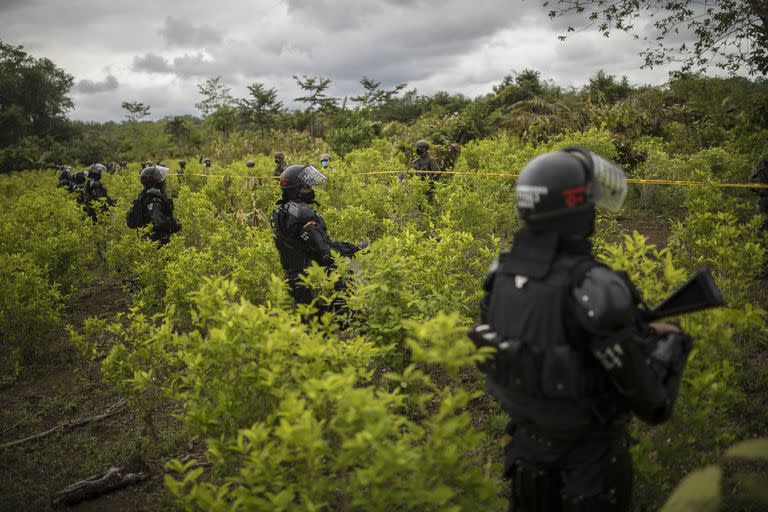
x=573 y=358
x=181 y=170
x=279 y=164
x=760 y=177
x=154 y=207
x=94 y=191
x=207 y=163
x=78 y=185
x=65 y=178
x=424 y=161
x=300 y=233
x=123 y=165
x=325 y=160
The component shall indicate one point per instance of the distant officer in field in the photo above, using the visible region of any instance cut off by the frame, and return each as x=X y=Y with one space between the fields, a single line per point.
x=325 y=160
x=424 y=161
x=95 y=191
x=123 y=165
x=760 y=177
x=65 y=178
x=279 y=164
x=153 y=207
x=300 y=233
x=78 y=184
x=574 y=358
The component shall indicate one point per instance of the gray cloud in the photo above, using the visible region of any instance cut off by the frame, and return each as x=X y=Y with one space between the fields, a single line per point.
x=110 y=83
x=181 y=33
x=186 y=66
x=158 y=55
x=151 y=63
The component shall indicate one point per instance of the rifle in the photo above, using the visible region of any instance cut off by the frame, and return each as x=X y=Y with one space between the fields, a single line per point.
x=700 y=292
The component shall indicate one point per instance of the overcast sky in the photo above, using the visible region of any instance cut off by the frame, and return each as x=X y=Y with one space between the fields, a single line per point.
x=157 y=51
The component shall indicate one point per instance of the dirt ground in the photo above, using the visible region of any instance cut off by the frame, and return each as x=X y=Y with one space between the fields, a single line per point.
x=65 y=388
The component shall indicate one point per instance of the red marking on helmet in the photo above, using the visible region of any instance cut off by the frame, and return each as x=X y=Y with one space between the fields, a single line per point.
x=575 y=196
x=284 y=182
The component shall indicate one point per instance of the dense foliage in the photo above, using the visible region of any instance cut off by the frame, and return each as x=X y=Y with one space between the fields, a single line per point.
x=388 y=413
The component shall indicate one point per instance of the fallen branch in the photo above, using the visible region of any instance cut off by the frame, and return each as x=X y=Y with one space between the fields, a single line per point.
x=112 y=479
x=110 y=411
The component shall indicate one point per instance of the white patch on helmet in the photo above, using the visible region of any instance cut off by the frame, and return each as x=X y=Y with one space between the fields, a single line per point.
x=528 y=196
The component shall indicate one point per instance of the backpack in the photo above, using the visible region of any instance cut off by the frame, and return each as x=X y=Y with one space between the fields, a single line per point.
x=135 y=217
x=163 y=220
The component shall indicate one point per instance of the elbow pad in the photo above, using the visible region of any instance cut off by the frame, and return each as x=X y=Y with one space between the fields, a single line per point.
x=606 y=302
x=646 y=371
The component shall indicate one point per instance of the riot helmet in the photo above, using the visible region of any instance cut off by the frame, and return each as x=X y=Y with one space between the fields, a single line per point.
x=422 y=147
x=324 y=159
x=63 y=172
x=279 y=158
x=79 y=178
x=559 y=191
x=182 y=163
x=295 y=177
x=207 y=162
x=249 y=163
x=96 y=170
x=153 y=176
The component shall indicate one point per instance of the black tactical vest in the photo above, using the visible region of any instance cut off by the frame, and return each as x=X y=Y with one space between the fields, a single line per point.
x=286 y=222
x=544 y=376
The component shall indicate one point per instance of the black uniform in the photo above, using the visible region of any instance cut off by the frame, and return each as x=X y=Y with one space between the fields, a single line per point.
x=153 y=207
x=279 y=164
x=573 y=359
x=65 y=178
x=301 y=237
x=93 y=191
x=77 y=185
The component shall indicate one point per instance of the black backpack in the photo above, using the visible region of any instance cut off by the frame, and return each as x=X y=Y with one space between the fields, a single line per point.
x=163 y=220
x=135 y=217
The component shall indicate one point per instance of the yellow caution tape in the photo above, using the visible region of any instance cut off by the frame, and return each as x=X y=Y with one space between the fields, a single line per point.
x=682 y=183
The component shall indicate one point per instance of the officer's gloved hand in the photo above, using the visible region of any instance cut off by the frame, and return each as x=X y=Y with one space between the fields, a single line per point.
x=672 y=349
x=362 y=245
x=483 y=336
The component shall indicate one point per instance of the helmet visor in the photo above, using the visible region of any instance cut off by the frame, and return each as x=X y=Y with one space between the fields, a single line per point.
x=311 y=177
x=608 y=185
x=161 y=172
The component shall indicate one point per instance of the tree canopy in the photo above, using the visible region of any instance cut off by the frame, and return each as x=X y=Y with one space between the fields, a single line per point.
x=729 y=34
x=34 y=95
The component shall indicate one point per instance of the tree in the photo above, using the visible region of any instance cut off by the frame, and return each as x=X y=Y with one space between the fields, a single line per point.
x=261 y=108
x=223 y=120
x=375 y=97
x=34 y=95
x=215 y=95
x=316 y=99
x=730 y=34
x=135 y=110
x=604 y=88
